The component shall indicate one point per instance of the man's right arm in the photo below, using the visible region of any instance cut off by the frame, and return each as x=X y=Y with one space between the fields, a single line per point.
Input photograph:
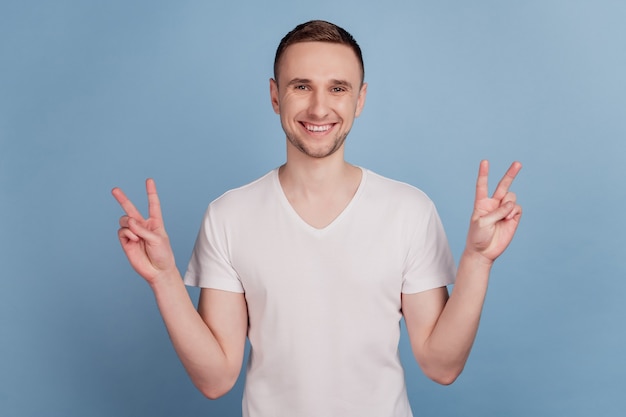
x=210 y=341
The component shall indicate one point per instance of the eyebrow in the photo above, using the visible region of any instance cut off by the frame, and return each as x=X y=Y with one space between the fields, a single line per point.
x=299 y=81
x=342 y=83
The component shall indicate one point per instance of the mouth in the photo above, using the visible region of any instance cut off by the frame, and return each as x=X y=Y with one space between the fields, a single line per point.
x=313 y=128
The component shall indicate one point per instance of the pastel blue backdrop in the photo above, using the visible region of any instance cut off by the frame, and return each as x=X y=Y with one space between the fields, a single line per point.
x=101 y=94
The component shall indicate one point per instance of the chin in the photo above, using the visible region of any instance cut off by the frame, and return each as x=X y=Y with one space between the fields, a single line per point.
x=317 y=152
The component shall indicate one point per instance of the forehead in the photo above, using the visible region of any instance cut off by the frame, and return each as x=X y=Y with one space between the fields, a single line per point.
x=319 y=60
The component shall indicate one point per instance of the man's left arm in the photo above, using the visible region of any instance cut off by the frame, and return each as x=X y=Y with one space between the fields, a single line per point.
x=442 y=329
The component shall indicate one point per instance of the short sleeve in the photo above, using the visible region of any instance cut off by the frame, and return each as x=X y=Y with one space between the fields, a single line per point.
x=210 y=265
x=429 y=263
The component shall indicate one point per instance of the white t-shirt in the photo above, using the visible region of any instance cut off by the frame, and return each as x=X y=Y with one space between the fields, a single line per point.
x=324 y=305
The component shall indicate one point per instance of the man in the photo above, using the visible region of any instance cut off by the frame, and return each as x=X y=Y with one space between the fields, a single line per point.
x=317 y=261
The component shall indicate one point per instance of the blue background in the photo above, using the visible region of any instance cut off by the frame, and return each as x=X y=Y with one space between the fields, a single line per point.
x=101 y=94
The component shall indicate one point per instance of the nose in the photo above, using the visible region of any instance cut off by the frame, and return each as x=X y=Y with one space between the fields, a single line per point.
x=318 y=106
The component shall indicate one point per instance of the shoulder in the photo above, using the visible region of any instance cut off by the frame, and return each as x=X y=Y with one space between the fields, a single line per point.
x=394 y=191
x=258 y=188
x=404 y=210
x=242 y=200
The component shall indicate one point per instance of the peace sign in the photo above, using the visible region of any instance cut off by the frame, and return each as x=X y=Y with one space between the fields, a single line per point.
x=494 y=220
x=145 y=241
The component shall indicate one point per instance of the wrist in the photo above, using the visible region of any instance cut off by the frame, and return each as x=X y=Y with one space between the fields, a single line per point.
x=477 y=258
x=165 y=280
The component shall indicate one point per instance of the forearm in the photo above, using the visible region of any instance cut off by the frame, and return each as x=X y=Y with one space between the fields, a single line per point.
x=211 y=350
x=443 y=331
x=211 y=371
x=451 y=340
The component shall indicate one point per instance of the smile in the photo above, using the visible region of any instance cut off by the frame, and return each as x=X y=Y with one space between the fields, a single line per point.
x=317 y=128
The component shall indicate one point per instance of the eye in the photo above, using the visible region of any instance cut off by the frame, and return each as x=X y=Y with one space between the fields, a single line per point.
x=338 y=89
x=301 y=87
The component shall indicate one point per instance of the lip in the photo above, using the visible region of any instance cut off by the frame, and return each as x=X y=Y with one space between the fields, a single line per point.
x=317 y=129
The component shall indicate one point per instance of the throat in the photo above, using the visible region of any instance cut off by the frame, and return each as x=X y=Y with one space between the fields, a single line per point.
x=319 y=206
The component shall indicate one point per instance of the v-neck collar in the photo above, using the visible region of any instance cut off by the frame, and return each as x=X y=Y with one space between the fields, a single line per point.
x=298 y=219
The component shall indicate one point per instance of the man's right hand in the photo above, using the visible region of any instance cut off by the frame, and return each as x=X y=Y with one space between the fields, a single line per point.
x=210 y=342
x=145 y=241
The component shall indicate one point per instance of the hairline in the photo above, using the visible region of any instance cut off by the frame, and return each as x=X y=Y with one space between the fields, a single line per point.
x=318 y=31
x=277 y=63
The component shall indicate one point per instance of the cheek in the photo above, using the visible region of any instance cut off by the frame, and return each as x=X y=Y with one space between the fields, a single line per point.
x=349 y=108
x=291 y=105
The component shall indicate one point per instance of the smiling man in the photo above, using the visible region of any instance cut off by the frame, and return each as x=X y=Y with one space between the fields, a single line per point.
x=321 y=93
x=318 y=261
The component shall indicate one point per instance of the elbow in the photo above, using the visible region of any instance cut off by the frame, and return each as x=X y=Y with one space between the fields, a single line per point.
x=444 y=375
x=217 y=390
x=213 y=394
x=442 y=369
x=446 y=378
x=214 y=382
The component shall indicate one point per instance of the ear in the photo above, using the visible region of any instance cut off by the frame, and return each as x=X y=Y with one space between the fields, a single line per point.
x=274 y=95
x=361 y=100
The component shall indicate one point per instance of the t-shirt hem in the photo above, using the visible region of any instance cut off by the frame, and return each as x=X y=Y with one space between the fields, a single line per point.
x=224 y=284
x=425 y=286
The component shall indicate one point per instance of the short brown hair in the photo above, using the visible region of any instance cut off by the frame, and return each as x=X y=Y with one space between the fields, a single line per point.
x=318 y=31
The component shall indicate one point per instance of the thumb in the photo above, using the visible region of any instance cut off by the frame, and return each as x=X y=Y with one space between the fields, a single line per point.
x=500 y=213
x=141 y=231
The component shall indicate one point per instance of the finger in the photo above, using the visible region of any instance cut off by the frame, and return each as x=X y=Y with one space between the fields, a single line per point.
x=506 y=181
x=128 y=207
x=154 y=205
x=510 y=196
x=500 y=213
x=515 y=213
x=482 y=190
x=517 y=210
x=124 y=221
x=139 y=230
x=125 y=235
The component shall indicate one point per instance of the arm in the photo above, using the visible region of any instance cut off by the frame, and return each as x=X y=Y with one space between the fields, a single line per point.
x=442 y=329
x=209 y=342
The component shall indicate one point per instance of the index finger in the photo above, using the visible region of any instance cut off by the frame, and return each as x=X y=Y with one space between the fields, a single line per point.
x=154 y=205
x=482 y=190
x=507 y=180
x=128 y=207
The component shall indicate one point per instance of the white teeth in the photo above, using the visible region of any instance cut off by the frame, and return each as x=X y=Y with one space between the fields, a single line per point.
x=316 y=128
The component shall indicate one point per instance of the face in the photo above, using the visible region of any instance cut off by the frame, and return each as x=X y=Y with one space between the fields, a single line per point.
x=318 y=95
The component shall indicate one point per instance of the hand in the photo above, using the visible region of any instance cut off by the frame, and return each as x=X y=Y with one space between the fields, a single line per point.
x=145 y=241
x=494 y=220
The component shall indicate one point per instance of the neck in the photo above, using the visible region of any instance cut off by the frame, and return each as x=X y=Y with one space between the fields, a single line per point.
x=319 y=189
x=305 y=175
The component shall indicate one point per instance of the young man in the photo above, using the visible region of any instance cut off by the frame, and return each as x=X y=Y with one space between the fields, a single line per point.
x=317 y=261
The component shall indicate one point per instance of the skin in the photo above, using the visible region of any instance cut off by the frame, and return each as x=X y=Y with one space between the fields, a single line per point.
x=318 y=96
x=210 y=341
x=441 y=329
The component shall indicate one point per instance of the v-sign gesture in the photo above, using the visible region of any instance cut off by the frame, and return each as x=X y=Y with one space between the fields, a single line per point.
x=145 y=241
x=494 y=220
